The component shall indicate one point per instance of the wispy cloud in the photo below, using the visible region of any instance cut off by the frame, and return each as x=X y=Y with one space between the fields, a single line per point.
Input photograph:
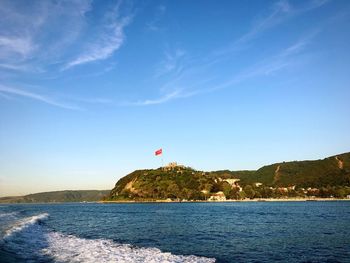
x=170 y=63
x=279 y=12
x=283 y=59
x=200 y=67
x=110 y=40
x=25 y=41
x=159 y=13
x=95 y=100
x=39 y=39
x=300 y=45
x=13 y=67
x=35 y=96
x=17 y=45
x=165 y=98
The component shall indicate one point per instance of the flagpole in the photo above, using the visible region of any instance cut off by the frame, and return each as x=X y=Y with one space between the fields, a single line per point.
x=161 y=156
x=160 y=152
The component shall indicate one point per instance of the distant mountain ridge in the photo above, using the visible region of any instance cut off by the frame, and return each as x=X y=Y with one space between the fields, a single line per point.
x=58 y=196
x=326 y=177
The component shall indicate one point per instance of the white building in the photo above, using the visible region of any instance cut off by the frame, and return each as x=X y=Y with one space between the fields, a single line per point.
x=219 y=196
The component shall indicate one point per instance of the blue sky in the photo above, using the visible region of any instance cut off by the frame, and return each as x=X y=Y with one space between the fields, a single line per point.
x=90 y=89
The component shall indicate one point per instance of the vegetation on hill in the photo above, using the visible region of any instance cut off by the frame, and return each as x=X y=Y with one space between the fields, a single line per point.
x=58 y=196
x=160 y=184
x=333 y=170
x=329 y=177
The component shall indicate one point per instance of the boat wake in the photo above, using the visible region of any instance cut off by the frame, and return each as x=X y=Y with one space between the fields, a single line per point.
x=23 y=224
x=31 y=240
x=10 y=214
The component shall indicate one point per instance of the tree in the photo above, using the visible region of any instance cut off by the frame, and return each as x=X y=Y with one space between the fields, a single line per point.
x=249 y=191
x=266 y=192
x=226 y=188
x=234 y=193
x=340 y=192
x=173 y=191
x=242 y=195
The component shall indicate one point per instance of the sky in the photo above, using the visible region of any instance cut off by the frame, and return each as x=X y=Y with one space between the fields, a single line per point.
x=90 y=89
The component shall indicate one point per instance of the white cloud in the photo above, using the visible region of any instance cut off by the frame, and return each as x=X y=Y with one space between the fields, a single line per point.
x=298 y=46
x=36 y=34
x=17 y=45
x=283 y=59
x=200 y=67
x=170 y=63
x=109 y=40
x=176 y=94
x=279 y=12
x=36 y=96
x=13 y=67
x=41 y=37
x=159 y=13
x=163 y=99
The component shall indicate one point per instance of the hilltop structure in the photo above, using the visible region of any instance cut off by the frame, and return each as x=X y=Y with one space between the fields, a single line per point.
x=329 y=177
x=173 y=166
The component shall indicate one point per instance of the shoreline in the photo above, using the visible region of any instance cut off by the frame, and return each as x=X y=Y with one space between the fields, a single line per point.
x=229 y=201
x=192 y=201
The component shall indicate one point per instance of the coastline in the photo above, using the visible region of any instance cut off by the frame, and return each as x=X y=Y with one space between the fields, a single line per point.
x=228 y=201
x=192 y=201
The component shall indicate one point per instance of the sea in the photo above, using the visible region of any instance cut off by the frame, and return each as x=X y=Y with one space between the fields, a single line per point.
x=176 y=232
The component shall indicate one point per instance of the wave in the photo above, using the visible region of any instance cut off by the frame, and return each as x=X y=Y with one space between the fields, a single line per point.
x=10 y=214
x=64 y=248
x=33 y=241
x=24 y=223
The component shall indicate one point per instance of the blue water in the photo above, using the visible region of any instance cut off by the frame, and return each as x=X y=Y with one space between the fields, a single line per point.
x=176 y=232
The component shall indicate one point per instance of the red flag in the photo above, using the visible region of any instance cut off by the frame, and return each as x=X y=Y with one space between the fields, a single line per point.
x=159 y=152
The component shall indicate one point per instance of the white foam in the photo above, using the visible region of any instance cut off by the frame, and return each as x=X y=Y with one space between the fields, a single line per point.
x=64 y=248
x=32 y=241
x=24 y=223
x=11 y=214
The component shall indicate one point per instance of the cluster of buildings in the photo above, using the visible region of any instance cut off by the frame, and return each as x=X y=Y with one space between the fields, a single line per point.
x=174 y=166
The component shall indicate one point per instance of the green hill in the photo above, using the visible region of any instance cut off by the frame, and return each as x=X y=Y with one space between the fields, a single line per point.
x=333 y=170
x=325 y=176
x=159 y=184
x=58 y=196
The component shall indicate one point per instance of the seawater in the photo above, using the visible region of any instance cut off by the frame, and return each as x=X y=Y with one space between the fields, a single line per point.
x=176 y=232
